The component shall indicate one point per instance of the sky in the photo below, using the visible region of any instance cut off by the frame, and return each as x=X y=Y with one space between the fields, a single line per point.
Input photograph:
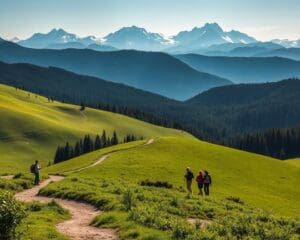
x=262 y=19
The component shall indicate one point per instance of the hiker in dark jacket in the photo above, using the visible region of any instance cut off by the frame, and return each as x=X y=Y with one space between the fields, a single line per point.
x=189 y=178
x=36 y=173
x=199 y=180
x=206 y=182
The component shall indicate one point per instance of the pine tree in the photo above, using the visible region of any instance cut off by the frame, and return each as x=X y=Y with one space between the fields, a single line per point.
x=114 y=139
x=77 y=150
x=67 y=151
x=57 y=157
x=97 y=142
x=104 y=139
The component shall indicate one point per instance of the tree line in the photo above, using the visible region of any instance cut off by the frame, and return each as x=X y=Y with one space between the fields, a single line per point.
x=88 y=144
x=278 y=143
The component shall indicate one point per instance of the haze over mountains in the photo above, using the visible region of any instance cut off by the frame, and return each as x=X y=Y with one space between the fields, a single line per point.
x=244 y=69
x=152 y=71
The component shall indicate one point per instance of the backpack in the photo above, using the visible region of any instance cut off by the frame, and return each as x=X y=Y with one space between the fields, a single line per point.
x=32 y=168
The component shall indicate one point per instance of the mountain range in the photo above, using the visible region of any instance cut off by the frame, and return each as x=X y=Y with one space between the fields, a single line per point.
x=139 y=38
x=60 y=39
x=151 y=71
x=209 y=39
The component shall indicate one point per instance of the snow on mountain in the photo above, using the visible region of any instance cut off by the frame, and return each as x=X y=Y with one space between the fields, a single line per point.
x=208 y=35
x=136 y=38
x=56 y=37
x=287 y=43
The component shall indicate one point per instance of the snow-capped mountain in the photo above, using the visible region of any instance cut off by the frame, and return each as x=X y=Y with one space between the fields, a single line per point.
x=208 y=35
x=288 y=43
x=208 y=38
x=136 y=38
x=56 y=37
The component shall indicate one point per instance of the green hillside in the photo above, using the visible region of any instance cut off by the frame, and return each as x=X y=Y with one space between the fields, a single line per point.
x=250 y=193
x=261 y=181
x=31 y=127
x=293 y=162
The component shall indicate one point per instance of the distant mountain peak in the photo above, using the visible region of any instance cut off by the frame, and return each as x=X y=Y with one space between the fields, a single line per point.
x=57 y=30
x=135 y=37
x=207 y=35
x=213 y=26
x=57 y=38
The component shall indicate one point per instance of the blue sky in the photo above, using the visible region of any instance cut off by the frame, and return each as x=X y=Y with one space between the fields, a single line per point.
x=263 y=19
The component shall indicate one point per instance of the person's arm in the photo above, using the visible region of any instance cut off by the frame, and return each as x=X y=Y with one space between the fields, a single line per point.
x=210 y=180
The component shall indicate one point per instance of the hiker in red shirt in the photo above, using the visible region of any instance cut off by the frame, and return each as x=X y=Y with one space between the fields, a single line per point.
x=199 y=180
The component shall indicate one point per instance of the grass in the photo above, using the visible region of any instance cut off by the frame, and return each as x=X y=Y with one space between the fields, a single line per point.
x=252 y=195
x=41 y=221
x=31 y=128
x=246 y=186
x=293 y=162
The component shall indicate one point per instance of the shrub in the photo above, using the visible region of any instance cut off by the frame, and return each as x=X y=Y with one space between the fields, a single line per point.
x=235 y=199
x=11 y=214
x=19 y=175
x=35 y=207
x=180 y=231
x=128 y=200
x=156 y=184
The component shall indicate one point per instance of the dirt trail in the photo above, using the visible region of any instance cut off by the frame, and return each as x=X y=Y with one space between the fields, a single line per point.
x=78 y=227
x=105 y=156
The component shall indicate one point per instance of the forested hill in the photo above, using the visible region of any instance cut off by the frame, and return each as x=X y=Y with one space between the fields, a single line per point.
x=70 y=87
x=151 y=71
x=241 y=94
x=214 y=115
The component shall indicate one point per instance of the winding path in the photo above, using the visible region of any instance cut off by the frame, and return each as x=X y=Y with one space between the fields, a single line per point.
x=78 y=227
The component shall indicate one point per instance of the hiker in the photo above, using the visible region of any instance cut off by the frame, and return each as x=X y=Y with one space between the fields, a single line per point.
x=189 y=178
x=199 y=180
x=35 y=169
x=206 y=182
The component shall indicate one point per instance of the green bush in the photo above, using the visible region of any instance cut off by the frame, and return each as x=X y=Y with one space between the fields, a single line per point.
x=11 y=214
x=159 y=184
x=128 y=200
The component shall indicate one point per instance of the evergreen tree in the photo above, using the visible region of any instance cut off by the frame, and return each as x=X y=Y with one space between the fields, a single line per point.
x=104 y=139
x=114 y=139
x=97 y=142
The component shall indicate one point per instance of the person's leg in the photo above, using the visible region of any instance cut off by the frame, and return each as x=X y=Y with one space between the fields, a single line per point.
x=206 y=189
x=35 y=179
x=38 y=178
x=189 y=186
x=201 y=192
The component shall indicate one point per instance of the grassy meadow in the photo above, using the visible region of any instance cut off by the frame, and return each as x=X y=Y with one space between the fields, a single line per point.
x=252 y=196
x=249 y=191
x=31 y=128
